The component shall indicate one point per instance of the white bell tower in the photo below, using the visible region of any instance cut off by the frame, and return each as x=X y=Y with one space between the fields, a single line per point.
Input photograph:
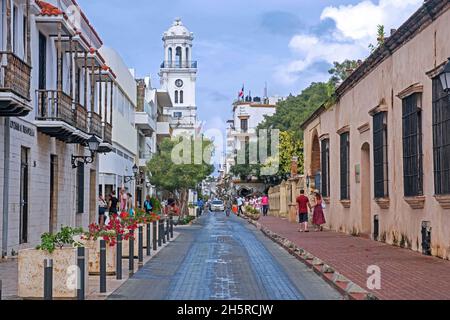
x=178 y=75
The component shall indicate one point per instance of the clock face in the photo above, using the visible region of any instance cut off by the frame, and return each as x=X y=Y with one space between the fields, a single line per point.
x=179 y=83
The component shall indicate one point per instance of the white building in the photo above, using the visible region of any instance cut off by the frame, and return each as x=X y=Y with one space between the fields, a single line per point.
x=247 y=115
x=50 y=106
x=178 y=75
x=116 y=168
x=151 y=127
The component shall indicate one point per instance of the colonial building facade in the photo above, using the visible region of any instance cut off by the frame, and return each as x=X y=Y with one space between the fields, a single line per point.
x=380 y=154
x=51 y=106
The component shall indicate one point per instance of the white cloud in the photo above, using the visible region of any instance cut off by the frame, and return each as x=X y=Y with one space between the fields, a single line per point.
x=356 y=28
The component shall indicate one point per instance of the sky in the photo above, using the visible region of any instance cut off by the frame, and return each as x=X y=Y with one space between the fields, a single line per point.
x=286 y=43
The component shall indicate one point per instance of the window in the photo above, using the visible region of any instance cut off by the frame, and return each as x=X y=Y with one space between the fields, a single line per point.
x=178 y=115
x=244 y=125
x=181 y=96
x=176 y=96
x=441 y=138
x=15 y=27
x=325 y=168
x=178 y=57
x=80 y=188
x=380 y=162
x=345 y=166
x=412 y=146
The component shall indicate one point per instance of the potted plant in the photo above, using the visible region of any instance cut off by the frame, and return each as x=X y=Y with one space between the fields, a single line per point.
x=91 y=240
x=61 y=247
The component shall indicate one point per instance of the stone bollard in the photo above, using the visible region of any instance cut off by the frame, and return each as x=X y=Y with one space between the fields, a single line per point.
x=102 y=266
x=48 y=279
x=119 y=258
x=159 y=233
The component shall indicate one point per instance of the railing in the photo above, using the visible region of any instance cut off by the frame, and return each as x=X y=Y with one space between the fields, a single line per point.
x=95 y=124
x=107 y=132
x=54 y=105
x=147 y=155
x=15 y=75
x=81 y=117
x=179 y=64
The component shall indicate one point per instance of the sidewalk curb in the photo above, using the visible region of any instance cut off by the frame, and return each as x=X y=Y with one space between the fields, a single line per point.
x=342 y=284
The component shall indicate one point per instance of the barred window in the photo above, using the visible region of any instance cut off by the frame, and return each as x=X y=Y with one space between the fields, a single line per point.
x=345 y=166
x=325 y=167
x=412 y=146
x=380 y=155
x=441 y=138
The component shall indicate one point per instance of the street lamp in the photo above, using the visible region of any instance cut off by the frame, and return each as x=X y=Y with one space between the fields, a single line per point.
x=93 y=145
x=445 y=77
x=130 y=178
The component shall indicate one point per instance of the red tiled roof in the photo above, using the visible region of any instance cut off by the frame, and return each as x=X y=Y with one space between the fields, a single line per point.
x=48 y=9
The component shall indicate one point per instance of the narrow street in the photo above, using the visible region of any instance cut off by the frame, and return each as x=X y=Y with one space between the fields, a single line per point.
x=224 y=258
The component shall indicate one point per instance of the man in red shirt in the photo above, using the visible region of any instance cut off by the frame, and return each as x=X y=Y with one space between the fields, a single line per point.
x=303 y=207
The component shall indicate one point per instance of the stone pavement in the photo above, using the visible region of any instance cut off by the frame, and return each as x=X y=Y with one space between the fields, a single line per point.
x=9 y=276
x=405 y=274
x=224 y=258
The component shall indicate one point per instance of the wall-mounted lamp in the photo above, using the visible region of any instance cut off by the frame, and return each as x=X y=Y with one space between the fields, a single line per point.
x=130 y=178
x=93 y=145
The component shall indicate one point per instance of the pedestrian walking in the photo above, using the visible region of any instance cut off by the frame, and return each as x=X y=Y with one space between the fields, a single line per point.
x=113 y=205
x=148 y=205
x=123 y=200
x=240 y=204
x=102 y=207
x=318 y=215
x=303 y=207
x=130 y=205
x=265 y=205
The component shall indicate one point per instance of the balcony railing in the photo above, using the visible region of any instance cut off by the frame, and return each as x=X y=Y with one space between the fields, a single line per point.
x=81 y=117
x=95 y=124
x=179 y=64
x=15 y=75
x=54 y=105
x=107 y=132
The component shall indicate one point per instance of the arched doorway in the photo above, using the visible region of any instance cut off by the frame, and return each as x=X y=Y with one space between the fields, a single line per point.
x=245 y=192
x=315 y=162
x=366 y=186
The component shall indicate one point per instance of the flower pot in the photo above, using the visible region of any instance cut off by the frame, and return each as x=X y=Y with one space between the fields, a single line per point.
x=94 y=257
x=31 y=273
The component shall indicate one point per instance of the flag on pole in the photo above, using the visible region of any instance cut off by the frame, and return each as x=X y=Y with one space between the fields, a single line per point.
x=241 y=93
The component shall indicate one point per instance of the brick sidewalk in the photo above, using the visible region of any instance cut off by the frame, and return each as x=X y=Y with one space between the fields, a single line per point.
x=405 y=274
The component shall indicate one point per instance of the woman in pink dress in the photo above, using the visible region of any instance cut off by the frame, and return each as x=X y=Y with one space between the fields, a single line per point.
x=318 y=215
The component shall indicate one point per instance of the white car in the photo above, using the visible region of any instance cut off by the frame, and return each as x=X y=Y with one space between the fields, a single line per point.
x=217 y=205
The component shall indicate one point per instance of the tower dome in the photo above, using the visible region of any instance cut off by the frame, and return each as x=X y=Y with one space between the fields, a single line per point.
x=178 y=30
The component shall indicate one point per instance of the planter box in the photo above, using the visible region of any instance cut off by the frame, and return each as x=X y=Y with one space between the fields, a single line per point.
x=94 y=257
x=31 y=273
x=125 y=243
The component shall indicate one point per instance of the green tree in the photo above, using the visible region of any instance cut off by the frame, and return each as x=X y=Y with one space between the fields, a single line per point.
x=340 y=71
x=296 y=109
x=381 y=37
x=186 y=171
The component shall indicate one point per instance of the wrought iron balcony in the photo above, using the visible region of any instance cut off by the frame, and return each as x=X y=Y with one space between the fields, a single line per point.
x=179 y=65
x=15 y=83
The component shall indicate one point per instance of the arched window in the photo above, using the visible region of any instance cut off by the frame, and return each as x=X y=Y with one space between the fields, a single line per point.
x=181 y=96
x=178 y=57
x=176 y=96
x=169 y=60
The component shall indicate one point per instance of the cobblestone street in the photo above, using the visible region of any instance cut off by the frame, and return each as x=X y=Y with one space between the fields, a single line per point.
x=224 y=258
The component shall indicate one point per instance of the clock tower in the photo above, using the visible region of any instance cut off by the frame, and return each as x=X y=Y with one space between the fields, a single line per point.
x=178 y=75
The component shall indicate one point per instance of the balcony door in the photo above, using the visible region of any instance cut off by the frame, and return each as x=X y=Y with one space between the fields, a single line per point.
x=42 y=62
